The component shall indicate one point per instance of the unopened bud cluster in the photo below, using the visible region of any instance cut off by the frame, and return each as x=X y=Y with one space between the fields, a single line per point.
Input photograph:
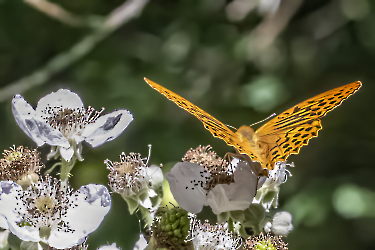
x=172 y=229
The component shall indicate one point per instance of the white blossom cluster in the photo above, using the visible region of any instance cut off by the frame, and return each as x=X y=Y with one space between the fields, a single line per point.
x=44 y=212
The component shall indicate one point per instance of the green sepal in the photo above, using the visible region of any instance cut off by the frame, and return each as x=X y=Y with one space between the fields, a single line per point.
x=146 y=216
x=29 y=245
x=254 y=220
x=14 y=242
x=223 y=217
x=237 y=215
x=132 y=202
x=152 y=244
x=44 y=232
x=269 y=197
x=155 y=201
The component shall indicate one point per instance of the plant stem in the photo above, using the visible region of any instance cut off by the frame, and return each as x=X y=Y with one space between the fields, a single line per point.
x=66 y=167
x=230 y=225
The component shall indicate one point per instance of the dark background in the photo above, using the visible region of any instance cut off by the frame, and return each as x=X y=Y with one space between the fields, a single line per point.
x=237 y=60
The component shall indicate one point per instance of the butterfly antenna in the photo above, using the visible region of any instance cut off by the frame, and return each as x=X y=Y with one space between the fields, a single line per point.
x=263 y=119
x=230 y=126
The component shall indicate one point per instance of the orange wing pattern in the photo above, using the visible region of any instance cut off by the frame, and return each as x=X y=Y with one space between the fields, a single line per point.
x=282 y=136
x=217 y=128
x=288 y=132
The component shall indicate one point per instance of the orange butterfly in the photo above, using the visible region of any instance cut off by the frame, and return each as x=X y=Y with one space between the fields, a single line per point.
x=278 y=138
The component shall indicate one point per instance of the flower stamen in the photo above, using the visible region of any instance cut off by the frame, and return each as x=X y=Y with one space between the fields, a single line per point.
x=69 y=121
x=18 y=163
x=128 y=176
x=220 y=171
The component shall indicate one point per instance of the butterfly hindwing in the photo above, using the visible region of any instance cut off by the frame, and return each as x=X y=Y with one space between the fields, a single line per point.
x=279 y=146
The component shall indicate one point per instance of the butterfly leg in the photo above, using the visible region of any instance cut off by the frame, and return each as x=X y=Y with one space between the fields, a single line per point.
x=255 y=166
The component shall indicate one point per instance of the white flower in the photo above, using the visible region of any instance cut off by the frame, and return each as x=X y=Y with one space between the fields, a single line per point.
x=282 y=223
x=109 y=247
x=43 y=213
x=189 y=185
x=208 y=237
x=61 y=121
x=3 y=222
x=136 y=181
x=141 y=244
x=269 y=187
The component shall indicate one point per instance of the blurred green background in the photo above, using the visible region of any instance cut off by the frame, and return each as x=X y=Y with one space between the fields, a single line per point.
x=240 y=61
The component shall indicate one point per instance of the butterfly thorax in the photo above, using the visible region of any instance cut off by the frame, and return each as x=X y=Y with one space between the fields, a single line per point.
x=248 y=140
x=246 y=133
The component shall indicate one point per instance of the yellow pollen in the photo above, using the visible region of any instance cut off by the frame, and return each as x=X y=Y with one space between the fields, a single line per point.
x=45 y=204
x=126 y=167
x=13 y=156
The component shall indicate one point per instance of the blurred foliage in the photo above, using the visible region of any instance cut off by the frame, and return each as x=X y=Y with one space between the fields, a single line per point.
x=240 y=61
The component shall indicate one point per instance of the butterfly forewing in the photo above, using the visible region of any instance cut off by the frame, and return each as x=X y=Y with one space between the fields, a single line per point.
x=217 y=128
x=288 y=132
x=313 y=108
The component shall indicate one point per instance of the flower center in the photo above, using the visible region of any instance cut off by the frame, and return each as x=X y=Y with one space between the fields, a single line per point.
x=126 y=167
x=128 y=176
x=69 y=121
x=214 y=237
x=18 y=162
x=265 y=245
x=220 y=171
x=46 y=204
x=13 y=156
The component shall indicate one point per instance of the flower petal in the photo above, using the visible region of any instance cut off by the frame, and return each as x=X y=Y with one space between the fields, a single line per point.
x=66 y=153
x=237 y=195
x=106 y=127
x=186 y=181
x=282 y=223
x=109 y=247
x=62 y=98
x=156 y=176
x=10 y=208
x=21 y=111
x=90 y=204
x=3 y=222
x=141 y=244
x=35 y=127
